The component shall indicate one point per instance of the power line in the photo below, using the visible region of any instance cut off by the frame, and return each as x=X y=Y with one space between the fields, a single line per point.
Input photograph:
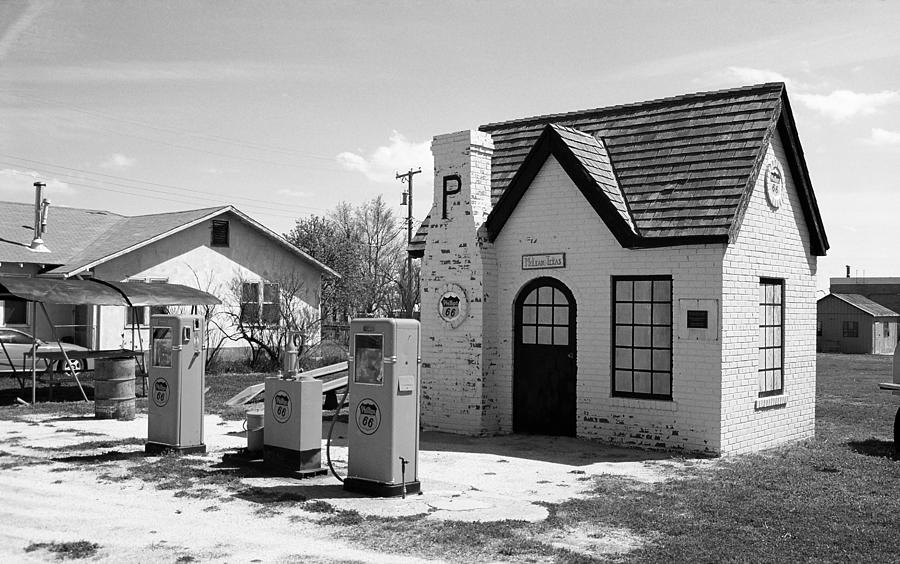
x=216 y=138
x=181 y=200
x=253 y=201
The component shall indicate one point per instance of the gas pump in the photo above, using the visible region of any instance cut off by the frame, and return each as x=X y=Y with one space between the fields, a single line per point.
x=383 y=426
x=292 y=436
x=177 y=381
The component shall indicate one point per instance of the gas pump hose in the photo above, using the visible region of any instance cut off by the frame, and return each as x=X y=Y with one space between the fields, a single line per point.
x=334 y=417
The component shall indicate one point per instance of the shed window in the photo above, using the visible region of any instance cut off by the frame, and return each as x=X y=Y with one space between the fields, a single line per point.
x=771 y=337
x=260 y=303
x=851 y=329
x=15 y=311
x=887 y=329
x=219 y=233
x=642 y=337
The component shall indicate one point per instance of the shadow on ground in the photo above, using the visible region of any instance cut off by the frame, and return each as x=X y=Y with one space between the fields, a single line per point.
x=874 y=447
x=559 y=450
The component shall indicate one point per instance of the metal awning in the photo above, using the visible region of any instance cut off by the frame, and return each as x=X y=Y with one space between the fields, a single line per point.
x=92 y=291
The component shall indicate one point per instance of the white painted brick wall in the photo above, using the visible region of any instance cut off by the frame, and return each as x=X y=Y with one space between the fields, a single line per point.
x=554 y=217
x=771 y=243
x=452 y=362
x=468 y=372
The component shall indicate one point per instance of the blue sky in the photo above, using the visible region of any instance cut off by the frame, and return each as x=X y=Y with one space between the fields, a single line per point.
x=286 y=108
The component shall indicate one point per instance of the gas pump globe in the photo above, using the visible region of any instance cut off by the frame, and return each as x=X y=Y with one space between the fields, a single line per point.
x=383 y=426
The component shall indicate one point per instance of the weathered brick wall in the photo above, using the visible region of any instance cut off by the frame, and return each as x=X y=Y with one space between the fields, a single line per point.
x=452 y=358
x=554 y=217
x=771 y=243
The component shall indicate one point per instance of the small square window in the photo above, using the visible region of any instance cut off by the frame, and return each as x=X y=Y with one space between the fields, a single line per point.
x=219 y=233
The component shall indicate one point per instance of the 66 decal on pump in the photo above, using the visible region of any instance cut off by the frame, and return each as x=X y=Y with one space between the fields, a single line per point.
x=160 y=392
x=281 y=406
x=383 y=434
x=368 y=416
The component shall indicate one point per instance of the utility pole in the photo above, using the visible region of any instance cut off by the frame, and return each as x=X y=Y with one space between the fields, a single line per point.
x=407 y=177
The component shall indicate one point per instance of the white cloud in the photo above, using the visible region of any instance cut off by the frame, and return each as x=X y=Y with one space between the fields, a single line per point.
x=841 y=105
x=384 y=162
x=747 y=75
x=883 y=137
x=292 y=193
x=118 y=161
x=19 y=184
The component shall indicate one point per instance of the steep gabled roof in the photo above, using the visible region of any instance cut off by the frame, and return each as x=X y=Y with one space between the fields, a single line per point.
x=685 y=166
x=81 y=239
x=864 y=304
x=585 y=160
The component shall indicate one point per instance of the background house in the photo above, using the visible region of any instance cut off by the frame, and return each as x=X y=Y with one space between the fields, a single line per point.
x=220 y=250
x=852 y=323
x=884 y=291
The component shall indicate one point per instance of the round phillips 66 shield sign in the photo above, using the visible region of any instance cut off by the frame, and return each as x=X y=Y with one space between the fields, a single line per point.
x=160 y=391
x=368 y=416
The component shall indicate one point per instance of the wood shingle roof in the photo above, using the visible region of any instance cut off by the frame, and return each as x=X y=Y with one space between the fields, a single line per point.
x=684 y=166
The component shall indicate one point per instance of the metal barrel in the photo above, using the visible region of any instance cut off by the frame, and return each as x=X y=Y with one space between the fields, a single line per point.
x=114 y=388
x=255 y=423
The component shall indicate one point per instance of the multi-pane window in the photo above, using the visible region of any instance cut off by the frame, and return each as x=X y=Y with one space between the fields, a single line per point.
x=545 y=317
x=851 y=328
x=15 y=311
x=642 y=337
x=260 y=303
x=771 y=337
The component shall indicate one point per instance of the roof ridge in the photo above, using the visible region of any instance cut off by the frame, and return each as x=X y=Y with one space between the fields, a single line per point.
x=658 y=102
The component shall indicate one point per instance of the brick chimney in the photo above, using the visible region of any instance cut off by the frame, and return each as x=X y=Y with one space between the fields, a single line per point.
x=453 y=289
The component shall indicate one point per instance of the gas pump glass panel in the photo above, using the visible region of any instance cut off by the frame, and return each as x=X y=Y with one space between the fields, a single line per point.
x=369 y=359
x=162 y=347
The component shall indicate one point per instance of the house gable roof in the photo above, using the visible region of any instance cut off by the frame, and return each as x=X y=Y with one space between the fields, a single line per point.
x=863 y=304
x=80 y=239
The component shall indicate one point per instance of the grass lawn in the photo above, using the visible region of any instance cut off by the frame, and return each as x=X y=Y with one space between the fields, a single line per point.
x=832 y=498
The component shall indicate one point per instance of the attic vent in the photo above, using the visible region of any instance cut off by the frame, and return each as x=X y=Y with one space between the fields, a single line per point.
x=219 y=233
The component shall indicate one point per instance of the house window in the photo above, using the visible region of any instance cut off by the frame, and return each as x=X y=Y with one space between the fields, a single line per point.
x=219 y=233
x=15 y=311
x=887 y=329
x=851 y=329
x=260 y=303
x=642 y=339
x=136 y=316
x=771 y=337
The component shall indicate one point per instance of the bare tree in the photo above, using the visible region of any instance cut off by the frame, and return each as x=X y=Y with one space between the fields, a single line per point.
x=262 y=312
x=366 y=246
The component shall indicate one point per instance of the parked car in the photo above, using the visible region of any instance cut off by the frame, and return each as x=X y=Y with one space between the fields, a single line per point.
x=15 y=351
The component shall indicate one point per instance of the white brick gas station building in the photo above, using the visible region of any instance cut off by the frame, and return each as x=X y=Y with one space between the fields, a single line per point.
x=642 y=274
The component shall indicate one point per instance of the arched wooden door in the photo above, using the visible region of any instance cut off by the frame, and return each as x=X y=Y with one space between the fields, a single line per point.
x=544 y=359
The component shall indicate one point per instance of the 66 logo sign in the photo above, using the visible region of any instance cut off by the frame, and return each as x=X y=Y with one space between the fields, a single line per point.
x=160 y=392
x=281 y=406
x=368 y=416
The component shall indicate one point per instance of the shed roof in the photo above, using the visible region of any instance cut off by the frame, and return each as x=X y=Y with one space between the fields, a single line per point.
x=685 y=165
x=864 y=304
